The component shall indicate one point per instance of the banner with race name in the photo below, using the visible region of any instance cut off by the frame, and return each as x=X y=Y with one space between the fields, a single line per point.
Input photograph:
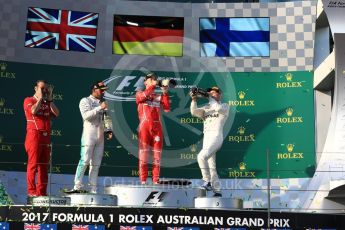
x=270 y=125
x=77 y=218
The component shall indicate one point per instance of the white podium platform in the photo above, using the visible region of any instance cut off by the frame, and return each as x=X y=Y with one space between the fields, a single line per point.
x=175 y=195
x=163 y=195
x=49 y=201
x=92 y=199
x=218 y=203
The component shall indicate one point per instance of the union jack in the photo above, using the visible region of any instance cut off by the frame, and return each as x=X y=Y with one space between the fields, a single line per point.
x=80 y=227
x=61 y=29
x=183 y=228
x=230 y=229
x=135 y=228
x=31 y=226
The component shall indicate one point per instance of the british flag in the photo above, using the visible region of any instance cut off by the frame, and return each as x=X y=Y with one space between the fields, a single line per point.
x=127 y=228
x=135 y=228
x=88 y=227
x=31 y=226
x=183 y=228
x=80 y=227
x=61 y=29
x=230 y=229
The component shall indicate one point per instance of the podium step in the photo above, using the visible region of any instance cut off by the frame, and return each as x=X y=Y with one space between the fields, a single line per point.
x=92 y=199
x=218 y=203
x=49 y=201
x=170 y=196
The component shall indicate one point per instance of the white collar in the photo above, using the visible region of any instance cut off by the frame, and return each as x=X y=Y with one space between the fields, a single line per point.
x=94 y=98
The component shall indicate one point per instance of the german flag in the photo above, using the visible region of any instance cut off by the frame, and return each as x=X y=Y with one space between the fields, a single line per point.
x=148 y=35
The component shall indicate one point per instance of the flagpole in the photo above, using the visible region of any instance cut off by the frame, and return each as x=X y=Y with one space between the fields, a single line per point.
x=50 y=182
x=268 y=189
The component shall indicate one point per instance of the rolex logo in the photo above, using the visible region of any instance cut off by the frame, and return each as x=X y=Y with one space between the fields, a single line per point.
x=2 y=102
x=242 y=166
x=56 y=132
x=289 y=111
x=193 y=148
x=290 y=147
x=289 y=83
x=241 y=137
x=241 y=130
x=3 y=66
x=4 y=110
x=290 y=154
x=106 y=154
x=4 y=147
x=241 y=95
x=289 y=119
x=241 y=102
x=288 y=76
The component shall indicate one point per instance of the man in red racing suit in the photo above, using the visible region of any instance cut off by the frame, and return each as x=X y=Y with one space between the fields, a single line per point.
x=39 y=109
x=150 y=134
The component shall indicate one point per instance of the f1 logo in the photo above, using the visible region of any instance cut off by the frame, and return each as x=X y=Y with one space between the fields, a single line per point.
x=156 y=196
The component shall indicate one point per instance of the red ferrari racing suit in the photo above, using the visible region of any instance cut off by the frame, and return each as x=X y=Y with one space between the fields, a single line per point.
x=37 y=143
x=150 y=134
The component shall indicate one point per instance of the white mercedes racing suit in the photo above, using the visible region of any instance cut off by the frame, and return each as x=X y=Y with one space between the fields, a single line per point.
x=214 y=115
x=92 y=142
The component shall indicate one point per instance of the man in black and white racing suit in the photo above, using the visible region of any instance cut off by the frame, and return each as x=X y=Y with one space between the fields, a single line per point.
x=214 y=115
x=96 y=124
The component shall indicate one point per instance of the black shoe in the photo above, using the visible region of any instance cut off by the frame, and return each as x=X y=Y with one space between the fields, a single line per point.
x=30 y=198
x=207 y=186
x=71 y=191
x=217 y=194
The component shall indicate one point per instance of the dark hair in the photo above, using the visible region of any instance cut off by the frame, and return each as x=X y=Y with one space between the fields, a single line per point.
x=215 y=88
x=151 y=75
x=95 y=85
x=38 y=81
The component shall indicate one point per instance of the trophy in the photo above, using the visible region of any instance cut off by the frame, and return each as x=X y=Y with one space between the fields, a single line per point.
x=199 y=92
x=171 y=83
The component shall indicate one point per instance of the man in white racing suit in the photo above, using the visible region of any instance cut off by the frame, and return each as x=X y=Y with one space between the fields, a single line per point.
x=214 y=115
x=92 y=109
